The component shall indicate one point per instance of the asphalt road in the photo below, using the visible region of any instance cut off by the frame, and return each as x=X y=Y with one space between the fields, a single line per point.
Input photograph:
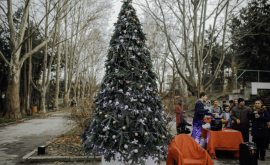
x=19 y=139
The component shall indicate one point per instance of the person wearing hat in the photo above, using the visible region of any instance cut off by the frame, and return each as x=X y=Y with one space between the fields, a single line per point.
x=240 y=116
x=178 y=111
x=231 y=104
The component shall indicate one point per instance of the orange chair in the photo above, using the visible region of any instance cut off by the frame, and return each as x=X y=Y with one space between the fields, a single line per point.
x=184 y=150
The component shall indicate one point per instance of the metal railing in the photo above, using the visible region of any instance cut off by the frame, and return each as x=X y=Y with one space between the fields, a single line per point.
x=247 y=70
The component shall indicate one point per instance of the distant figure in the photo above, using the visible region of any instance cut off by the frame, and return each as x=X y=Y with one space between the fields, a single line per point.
x=208 y=106
x=73 y=103
x=235 y=102
x=231 y=104
x=217 y=110
x=224 y=105
x=240 y=115
x=227 y=116
x=178 y=111
x=198 y=117
x=259 y=117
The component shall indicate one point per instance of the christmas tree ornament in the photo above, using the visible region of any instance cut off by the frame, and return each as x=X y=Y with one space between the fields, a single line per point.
x=154 y=92
x=149 y=83
x=131 y=10
x=126 y=146
x=130 y=48
x=114 y=122
x=113 y=136
x=132 y=69
x=106 y=116
x=136 y=151
x=112 y=52
x=138 y=42
x=126 y=12
x=141 y=86
x=157 y=107
x=121 y=56
x=135 y=31
x=142 y=100
x=156 y=120
x=139 y=53
x=124 y=128
x=104 y=130
x=163 y=137
x=120 y=90
x=143 y=40
x=146 y=133
x=168 y=133
x=108 y=85
x=125 y=31
x=144 y=67
x=136 y=134
x=117 y=103
x=134 y=20
x=163 y=112
x=104 y=139
x=100 y=113
x=127 y=82
x=140 y=76
x=144 y=119
x=128 y=94
x=112 y=88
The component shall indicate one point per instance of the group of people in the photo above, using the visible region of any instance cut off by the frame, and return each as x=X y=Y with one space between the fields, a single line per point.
x=239 y=117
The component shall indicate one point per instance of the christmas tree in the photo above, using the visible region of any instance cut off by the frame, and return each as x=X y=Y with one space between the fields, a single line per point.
x=129 y=116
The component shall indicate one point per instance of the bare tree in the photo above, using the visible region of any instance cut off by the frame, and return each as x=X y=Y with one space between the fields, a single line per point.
x=184 y=23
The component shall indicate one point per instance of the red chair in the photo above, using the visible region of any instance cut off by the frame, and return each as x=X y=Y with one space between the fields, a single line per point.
x=184 y=150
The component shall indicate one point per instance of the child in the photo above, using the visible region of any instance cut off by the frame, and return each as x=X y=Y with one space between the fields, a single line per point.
x=217 y=110
x=227 y=116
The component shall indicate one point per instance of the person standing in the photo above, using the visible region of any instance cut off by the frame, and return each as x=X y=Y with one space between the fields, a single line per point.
x=178 y=111
x=259 y=117
x=240 y=116
x=73 y=103
x=224 y=105
x=217 y=110
x=227 y=116
x=231 y=104
x=198 y=117
x=236 y=102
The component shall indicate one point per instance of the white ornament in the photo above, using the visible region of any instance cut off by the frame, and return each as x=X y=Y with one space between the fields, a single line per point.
x=142 y=100
x=130 y=48
x=126 y=106
x=113 y=136
x=138 y=42
x=128 y=94
x=110 y=101
x=126 y=146
x=122 y=40
x=139 y=53
x=117 y=103
x=109 y=67
x=116 y=70
x=135 y=141
x=120 y=90
x=125 y=30
x=124 y=127
x=135 y=31
x=156 y=120
x=135 y=151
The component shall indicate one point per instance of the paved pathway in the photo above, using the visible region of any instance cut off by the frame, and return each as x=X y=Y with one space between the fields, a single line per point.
x=19 y=139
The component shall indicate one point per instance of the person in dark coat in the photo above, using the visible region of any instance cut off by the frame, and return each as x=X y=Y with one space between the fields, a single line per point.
x=259 y=116
x=198 y=117
x=240 y=116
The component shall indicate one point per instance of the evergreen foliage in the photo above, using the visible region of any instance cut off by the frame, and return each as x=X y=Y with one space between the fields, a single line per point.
x=129 y=118
x=251 y=34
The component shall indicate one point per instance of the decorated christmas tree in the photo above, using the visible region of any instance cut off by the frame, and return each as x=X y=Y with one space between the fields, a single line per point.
x=129 y=116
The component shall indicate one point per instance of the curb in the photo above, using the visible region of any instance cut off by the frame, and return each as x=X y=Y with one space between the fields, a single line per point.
x=28 y=159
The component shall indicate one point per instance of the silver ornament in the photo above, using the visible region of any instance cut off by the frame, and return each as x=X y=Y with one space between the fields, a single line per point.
x=125 y=31
x=139 y=54
x=120 y=90
x=126 y=146
x=113 y=136
x=142 y=100
x=135 y=151
x=156 y=120
x=117 y=103
x=130 y=48
x=124 y=128
x=146 y=133
x=128 y=94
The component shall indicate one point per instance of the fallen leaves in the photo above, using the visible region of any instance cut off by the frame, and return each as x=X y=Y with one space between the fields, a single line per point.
x=57 y=162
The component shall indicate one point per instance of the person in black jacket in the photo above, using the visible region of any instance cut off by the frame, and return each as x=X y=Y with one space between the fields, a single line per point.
x=259 y=116
x=198 y=117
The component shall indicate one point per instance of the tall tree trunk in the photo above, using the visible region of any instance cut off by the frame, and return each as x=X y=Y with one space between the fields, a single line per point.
x=12 y=95
x=66 y=92
x=58 y=62
x=79 y=90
